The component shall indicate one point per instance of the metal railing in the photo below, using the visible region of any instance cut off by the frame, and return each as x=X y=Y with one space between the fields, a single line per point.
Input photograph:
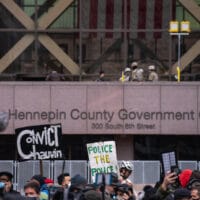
x=90 y=77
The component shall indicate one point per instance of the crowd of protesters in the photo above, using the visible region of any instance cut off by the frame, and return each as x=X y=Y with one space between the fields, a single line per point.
x=184 y=185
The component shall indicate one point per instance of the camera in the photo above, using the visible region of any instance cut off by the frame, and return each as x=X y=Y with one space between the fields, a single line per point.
x=175 y=169
x=123 y=188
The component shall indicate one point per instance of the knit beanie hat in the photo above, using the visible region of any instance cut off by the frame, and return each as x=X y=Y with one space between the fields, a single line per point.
x=8 y=174
x=181 y=193
x=39 y=178
x=92 y=195
x=48 y=180
x=184 y=177
x=78 y=181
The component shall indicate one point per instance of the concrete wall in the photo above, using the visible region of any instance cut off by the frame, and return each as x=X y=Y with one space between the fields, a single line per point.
x=98 y=108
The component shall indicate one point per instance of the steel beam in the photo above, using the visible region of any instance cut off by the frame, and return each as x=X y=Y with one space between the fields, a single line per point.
x=188 y=57
x=26 y=40
x=15 y=51
x=18 y=13
x=193 y=8
x=55 y=50
x=53 y=13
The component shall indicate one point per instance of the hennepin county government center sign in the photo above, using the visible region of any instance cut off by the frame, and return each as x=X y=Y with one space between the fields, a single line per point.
x=105 y=119
x=105 y=108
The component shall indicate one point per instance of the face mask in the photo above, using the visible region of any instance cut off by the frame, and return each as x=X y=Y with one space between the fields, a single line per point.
x=31 y=195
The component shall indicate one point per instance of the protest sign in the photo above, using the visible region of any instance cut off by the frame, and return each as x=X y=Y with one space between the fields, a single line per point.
x=39 y=142
x=102 y=157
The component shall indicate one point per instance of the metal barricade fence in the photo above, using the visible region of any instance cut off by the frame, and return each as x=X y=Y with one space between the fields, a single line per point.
x=145 y=172
x=193 y=165
x=72 y=167
x=26 y=169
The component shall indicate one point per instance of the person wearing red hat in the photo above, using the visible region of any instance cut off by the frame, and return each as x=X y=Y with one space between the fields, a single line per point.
x=189 y=179
x=48 y=181
x=184 y=177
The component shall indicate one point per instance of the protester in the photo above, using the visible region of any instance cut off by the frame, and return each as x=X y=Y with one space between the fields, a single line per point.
x=164 y=188
x=174 y=186
x=32 y=189
x=44 y=193
x=49 y=182
x=12 y=196
x=92 y=195
x=64 y=180
x=147 y=193
x=182 y=194
x=6 y=179
x=124 y=192
x=126 y=169
x=195 y=193
x=184 y=177
x=78 y=184
x=109 y=188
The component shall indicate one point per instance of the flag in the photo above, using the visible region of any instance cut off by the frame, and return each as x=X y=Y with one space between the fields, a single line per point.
x=141 y=15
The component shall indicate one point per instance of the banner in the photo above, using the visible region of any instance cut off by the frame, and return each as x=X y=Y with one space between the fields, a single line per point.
x=39 y=142
x=102 y=158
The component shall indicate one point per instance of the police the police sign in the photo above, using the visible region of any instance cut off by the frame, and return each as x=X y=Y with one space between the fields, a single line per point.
x=39 y=142
x=102 y=157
